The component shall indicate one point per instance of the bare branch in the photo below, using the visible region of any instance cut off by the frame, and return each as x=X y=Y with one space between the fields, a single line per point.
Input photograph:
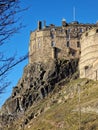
x=8 y=19
x=9 y=25
x=4 y=86
x=11 y=63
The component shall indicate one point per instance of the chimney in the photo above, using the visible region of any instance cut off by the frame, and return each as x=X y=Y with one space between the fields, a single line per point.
x=39 y=25
x=44 y=24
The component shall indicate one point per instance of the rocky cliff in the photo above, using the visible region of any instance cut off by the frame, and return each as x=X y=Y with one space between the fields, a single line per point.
x=37 y=82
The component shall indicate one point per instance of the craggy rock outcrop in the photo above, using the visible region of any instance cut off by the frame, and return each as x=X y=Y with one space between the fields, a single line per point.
x=37 y=82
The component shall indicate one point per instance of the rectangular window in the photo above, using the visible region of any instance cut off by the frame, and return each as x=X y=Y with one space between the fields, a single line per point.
x=96 y=30
x=86 y=34
x=78 y=44
x=81 y=30
x=67 y=44
x=53 y=44
x=73 y=53
x=68 y=36
x=52 y=35
x=68 y=30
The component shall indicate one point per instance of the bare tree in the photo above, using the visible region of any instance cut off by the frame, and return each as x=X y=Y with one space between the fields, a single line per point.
x=8 y=27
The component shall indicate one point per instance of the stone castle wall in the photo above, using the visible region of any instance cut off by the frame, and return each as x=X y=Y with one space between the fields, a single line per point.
x=89 y=55
x=53 y=42
x=40 y=49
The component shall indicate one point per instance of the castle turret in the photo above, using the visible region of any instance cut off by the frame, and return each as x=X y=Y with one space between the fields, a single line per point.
x=64 y=22
x=88 y=64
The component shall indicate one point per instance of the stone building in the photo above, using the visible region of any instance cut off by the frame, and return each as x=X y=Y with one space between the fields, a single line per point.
x=52 y=42
x=88 y=64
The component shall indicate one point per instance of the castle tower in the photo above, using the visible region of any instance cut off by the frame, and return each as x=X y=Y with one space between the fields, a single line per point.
x=88 y=64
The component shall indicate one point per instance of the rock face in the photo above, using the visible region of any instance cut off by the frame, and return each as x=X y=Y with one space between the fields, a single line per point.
x=37 y=82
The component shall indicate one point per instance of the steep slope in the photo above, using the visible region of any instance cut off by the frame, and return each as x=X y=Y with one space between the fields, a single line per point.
x=37 y=82
x=74 y=107
x=71 y=106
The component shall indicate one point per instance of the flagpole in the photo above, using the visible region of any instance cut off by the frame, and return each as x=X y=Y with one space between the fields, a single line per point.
x=74 y=13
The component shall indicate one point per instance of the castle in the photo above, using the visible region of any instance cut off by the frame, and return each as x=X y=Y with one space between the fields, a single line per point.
x=68 y=41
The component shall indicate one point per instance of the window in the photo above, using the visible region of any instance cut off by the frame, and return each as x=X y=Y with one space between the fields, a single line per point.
x=86 y=67
x=81 y=30
x=52 y=35
x=68 y=30
x=96 y=30
x=86 y=34
x=67 y=44
x=78 y=44
x=53 y=44
x=68 y=36
x=73 y=53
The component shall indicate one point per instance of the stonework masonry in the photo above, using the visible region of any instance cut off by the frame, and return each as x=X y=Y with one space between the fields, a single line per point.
x=52 y=42
x=88 y=64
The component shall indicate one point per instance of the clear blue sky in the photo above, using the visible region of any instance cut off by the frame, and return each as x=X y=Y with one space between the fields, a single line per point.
x=53 y=11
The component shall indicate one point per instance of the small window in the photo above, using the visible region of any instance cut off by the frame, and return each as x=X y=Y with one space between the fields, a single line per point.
x=73 y=53
x=96 y=30
x=86 y=67
x=68 y=36
x=67 y=44
x=81 y=30
x=78 y=44
x=53 y=44
x=86 y=34
x=52 y=35
x=68 y=30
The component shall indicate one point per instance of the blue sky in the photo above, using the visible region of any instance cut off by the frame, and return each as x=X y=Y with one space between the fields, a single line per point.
x=53 y=11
